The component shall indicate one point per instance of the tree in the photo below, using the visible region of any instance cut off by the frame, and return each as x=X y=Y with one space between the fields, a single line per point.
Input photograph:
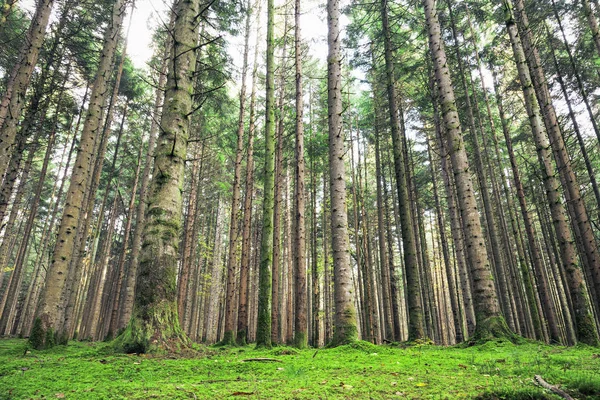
x=263 y=330
x=345 y=329
x=154 y=324
x=301 y=311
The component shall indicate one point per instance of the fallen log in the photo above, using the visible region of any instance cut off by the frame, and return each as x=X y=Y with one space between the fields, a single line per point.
x=552 y=388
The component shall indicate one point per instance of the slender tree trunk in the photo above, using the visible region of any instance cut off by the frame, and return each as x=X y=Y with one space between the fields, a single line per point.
x=242 y=324
x=345 y=327
x=489 y=321
x=300 y=320
x=416 y=327
x=232 y=259
x=263 y=330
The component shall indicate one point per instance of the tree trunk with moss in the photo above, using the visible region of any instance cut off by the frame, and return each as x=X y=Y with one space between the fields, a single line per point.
x=263 y=328
x=584 y=324
x=489 y=321
x=136 y=243
x=155 y=324
x=345 y=329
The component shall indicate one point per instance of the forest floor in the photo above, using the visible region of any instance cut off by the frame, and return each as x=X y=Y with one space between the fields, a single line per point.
x=495 y=370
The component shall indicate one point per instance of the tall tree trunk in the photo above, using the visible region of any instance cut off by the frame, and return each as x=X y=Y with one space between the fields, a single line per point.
x=345 y=327
x=489 y=321
x=155 y=323
x=242 y=324
x=263 y=329
x=140 y=217
x=301 y=300
x=232 y=259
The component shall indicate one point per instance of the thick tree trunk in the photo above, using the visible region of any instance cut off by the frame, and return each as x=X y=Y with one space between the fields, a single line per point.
x=53 y=302
x=155 y=323
x=140 y=218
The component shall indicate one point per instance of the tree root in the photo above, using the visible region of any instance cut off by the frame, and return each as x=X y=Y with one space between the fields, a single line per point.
x=540 y=381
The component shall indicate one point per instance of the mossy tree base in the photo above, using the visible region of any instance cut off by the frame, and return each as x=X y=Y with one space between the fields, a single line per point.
x=228 y=339
x=346 y=334
x=242 y=338
x=493 y=328
x=43 y=336
x=300 y=340
x=156 y=331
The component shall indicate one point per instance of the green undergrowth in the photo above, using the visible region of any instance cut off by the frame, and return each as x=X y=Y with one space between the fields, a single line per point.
x=495 y=370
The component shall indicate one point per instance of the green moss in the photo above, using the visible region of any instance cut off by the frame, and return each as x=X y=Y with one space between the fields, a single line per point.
x=361 y=370
x=300 y=340
x=228 y=339
x=242 y=336
x=38 y=335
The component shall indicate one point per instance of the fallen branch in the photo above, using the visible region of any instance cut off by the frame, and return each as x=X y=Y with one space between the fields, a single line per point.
x=261 y=360
x=552 y=388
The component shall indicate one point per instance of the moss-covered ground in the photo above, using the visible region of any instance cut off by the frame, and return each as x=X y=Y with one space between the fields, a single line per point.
x=495 y=370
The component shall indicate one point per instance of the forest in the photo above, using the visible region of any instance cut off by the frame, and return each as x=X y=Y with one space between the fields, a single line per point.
x=300 y=199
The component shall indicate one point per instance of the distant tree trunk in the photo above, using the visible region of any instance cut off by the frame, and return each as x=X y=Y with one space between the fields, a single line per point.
x=386 y=264
x=345 y=327
x=416 y=327
x=489 y=321
x=155 y=323
x=586 y=331
x=452 y=287
x=13 y=100
x=232 y=259
x=263 y=330
x=242 y=325
x=300 y=320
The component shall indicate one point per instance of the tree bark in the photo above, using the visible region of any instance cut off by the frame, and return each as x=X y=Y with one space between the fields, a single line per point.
x=345 y=327
x=155 y=323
